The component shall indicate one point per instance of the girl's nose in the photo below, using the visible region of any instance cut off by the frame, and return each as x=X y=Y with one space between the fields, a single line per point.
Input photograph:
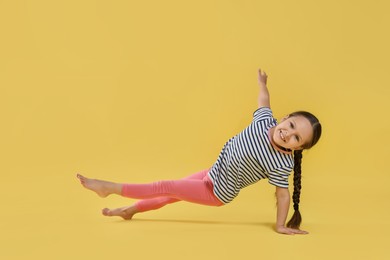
x=286 y=135
x=289 y=133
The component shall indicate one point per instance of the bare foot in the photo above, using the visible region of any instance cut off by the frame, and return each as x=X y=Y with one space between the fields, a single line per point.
x=102 y=188
x=126 y=213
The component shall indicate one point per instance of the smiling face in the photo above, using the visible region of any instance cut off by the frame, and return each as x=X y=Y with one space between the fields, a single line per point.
x=292 y=133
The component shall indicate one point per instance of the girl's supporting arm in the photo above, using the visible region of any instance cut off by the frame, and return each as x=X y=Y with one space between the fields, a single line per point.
x=264 y=94
x=283 y=198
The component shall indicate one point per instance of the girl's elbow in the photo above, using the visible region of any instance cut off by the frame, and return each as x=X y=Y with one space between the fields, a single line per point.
x=282 y=193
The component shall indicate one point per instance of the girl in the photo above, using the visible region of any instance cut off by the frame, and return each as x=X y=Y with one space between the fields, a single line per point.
x=263 y=150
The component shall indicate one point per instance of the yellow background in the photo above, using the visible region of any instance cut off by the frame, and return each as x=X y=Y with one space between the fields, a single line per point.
x=137 y=91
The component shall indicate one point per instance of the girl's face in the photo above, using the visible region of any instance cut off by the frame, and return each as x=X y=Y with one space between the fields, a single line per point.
x=292 y=132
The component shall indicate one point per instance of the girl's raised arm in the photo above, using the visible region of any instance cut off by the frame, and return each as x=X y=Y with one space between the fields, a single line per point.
x=263 y=95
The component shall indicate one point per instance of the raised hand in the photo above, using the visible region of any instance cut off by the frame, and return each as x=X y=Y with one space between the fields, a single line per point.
x=262 y=77
x=263 y=98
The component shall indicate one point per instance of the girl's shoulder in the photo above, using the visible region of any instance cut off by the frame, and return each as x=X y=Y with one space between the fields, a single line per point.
x=263 y=113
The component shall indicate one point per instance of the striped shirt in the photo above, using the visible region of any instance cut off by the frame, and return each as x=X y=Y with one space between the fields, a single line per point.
x=249 y=157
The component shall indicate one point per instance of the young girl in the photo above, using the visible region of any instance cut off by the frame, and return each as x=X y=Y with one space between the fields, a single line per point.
x=263 y=150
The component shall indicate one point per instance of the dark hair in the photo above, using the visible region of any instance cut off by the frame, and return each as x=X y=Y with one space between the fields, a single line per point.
x=296 y=219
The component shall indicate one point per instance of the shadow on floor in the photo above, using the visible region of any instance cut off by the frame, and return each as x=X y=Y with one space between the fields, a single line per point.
x=203 y=222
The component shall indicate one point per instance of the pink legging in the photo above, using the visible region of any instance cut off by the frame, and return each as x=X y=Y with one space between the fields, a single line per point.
x=197 y=188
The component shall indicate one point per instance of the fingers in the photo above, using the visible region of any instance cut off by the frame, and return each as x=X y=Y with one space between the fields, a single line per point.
x=262 y=73
x=291 y=231
x=262 y=77
x=288 y=233
x=298 y=231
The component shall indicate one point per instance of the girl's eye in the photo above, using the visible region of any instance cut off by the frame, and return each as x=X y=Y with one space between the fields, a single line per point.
x=296 y=137
x=292 y=125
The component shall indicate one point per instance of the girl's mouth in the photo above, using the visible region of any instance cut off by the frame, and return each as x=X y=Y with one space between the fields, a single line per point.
x=282 y=136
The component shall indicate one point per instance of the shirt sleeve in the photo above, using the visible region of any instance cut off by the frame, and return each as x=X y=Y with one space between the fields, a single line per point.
x=279 y=178
x=262 y=113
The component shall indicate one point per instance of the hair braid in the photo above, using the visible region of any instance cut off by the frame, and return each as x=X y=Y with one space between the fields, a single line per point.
x=296 y=219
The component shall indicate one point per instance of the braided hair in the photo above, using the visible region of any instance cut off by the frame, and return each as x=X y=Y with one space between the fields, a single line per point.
x=296 y=219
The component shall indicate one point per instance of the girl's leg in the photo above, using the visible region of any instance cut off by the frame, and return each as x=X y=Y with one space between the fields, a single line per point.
x=148 y=204
x=191 y=190
x=156 y=203
x=105 y=188
x=199 y=191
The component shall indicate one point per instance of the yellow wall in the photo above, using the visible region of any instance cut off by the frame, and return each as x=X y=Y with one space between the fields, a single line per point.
x=138 y=91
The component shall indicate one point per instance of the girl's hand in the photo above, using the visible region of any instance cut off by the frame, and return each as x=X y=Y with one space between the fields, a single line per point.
x=262 y=77
x=290 y=231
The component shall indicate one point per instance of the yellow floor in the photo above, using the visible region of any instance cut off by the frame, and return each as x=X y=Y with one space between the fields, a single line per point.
x=137 y=91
